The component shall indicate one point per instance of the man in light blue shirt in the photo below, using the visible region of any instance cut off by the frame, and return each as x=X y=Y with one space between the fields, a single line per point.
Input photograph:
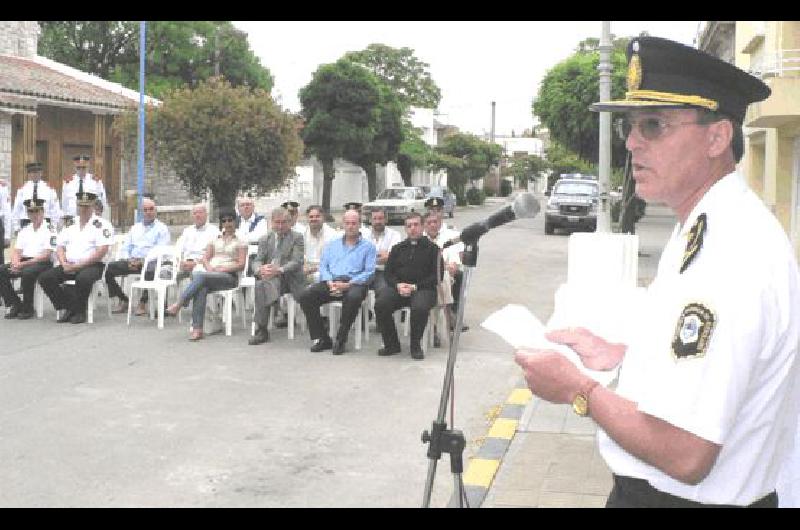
x=143 y=236
x=345 y=271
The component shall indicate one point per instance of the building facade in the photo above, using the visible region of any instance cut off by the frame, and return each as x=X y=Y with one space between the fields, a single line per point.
x=769 y=50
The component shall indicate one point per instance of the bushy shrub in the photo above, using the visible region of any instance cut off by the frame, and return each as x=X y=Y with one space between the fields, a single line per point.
x=475 y=196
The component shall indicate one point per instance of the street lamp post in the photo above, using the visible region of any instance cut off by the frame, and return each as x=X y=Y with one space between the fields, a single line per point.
x=604 y=210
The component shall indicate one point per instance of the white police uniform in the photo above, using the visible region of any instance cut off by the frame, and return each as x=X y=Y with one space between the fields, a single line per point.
x=194 y=241
x=717 y=354
x=32 y=242
x=52 y=210
x=69 y=190
x=79 y=243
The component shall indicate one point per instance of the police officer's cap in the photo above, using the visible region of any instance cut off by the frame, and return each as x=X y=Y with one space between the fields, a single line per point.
x=434 y=202
x=290 y=205
x=667 y=74
x=33 y=167
x=85 y=198
x=34 y=204
x=80 y=160
x=352 y=206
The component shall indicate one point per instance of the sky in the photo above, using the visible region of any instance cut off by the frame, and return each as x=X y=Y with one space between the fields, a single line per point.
x=472 y=62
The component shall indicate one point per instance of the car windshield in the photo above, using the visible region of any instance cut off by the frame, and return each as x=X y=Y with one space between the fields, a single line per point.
x=576 y=188
x=397 y=193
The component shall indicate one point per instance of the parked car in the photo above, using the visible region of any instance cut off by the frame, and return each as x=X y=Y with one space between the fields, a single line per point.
x=572 y=205
x=448 y=196
x=397 y=202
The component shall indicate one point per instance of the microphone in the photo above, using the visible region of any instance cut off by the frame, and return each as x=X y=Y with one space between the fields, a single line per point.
x=524 y=206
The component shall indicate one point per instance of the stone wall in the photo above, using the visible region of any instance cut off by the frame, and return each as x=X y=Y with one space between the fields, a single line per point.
x=19 y=38
x=172 y=197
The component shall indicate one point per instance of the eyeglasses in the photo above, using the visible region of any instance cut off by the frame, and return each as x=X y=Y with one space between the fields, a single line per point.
x=650 y=128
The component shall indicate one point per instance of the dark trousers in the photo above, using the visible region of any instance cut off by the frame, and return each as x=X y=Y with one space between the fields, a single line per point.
x=631 y=492
x=28 y=275
x=3 y=222
x=458 y=277
x=123 y=268
x=388 y=300
x=73 y=298
x=312 y=298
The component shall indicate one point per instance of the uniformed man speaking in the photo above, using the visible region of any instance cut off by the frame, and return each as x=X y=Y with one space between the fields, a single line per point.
x=80 y=251
x=707 y=399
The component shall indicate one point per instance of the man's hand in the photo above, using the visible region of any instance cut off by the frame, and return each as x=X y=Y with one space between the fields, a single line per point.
x=70 y=268
x=452 y=268
x=268 y=271
x=595 y=352
x=404 y=289
x=341 y=286
x=550 y=375
x=135 y=264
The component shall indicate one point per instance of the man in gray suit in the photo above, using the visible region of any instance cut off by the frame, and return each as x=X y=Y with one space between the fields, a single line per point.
x=278 y=268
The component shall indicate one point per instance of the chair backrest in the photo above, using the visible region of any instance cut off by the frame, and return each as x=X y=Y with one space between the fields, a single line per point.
x=159 y=253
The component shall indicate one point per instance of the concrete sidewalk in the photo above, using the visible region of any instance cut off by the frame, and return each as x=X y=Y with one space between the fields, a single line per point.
x=552 y=459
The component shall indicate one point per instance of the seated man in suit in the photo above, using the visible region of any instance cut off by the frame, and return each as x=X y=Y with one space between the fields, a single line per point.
x=345 y=271
x=278 y=268
x=411 y=275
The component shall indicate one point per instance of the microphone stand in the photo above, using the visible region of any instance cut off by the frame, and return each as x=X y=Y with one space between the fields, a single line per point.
x=442 y=439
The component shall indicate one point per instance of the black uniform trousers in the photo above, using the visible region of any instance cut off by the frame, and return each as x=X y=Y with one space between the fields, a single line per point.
x=3 y=222
x=28 y=275
x=315 y=295
x=73 y=298
x=388 y=300
x=631 y=492
x=122 y=268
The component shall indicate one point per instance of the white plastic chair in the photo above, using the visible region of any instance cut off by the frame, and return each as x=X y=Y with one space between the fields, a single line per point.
x=334 y=310
x=291 y=315
x=248 y=283
x=436 y=317
x=157 y=284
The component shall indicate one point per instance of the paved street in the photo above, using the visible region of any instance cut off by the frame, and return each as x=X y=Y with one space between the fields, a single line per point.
x=106 y=415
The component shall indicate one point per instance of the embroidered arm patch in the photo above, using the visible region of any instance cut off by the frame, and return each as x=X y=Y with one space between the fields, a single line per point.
x=693 y=332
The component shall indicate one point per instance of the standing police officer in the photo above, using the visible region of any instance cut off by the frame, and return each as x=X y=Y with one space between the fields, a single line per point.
x=52 y=211
x=707 y=399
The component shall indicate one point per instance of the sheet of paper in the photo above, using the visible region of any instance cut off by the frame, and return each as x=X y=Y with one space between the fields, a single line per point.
x=521 y=329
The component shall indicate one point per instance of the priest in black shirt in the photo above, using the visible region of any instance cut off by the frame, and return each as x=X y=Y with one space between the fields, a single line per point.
x=411 y=275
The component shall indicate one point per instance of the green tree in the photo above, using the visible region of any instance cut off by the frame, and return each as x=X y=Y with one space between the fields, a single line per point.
x=341 y=107
x=567 y=91
x=406 y=75
x=222 y=138
x=413 y=153
x=525 y=168
x=562 y=160
x=178 y=52
x=466 y=158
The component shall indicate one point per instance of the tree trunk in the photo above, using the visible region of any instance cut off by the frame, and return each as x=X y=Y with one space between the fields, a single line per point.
x=328 y=174
x=225 y=197
x=369 y=168
x=627 y=215
x=405 y=169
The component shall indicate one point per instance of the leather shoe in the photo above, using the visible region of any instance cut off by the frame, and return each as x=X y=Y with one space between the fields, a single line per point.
x=384 y=352
x=322 y=344
x=66 y=318
x=13 y=313
x=417 y=353
x=78 y=318
x=122 y=307
x=339 y=347
x=260 y=337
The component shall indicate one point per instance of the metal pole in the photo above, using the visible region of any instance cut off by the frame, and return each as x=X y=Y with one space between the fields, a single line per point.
x=604 y=211
x=140 y=169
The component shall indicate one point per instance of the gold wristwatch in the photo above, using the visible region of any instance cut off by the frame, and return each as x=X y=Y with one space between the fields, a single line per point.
x=580 y=404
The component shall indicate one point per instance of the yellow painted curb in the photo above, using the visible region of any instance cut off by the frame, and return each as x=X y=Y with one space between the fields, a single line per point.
x=503 y=428
x=520 y=396
x=480 y=472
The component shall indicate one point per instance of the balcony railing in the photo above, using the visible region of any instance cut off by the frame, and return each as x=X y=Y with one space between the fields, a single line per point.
x=777 y=64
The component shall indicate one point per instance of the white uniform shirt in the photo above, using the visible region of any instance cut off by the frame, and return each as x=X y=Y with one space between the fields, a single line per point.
x=252 y=236
x=80 y=243
x=194 y=241
x=52 y=210
x=313 y=245
x=5 y=208
x=384 y=241
x=69 y=191
x=31 y=243
x=740 y=393
x=451 y=254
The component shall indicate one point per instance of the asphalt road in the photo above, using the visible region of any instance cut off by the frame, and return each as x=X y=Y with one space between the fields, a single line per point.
x=110 y=415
